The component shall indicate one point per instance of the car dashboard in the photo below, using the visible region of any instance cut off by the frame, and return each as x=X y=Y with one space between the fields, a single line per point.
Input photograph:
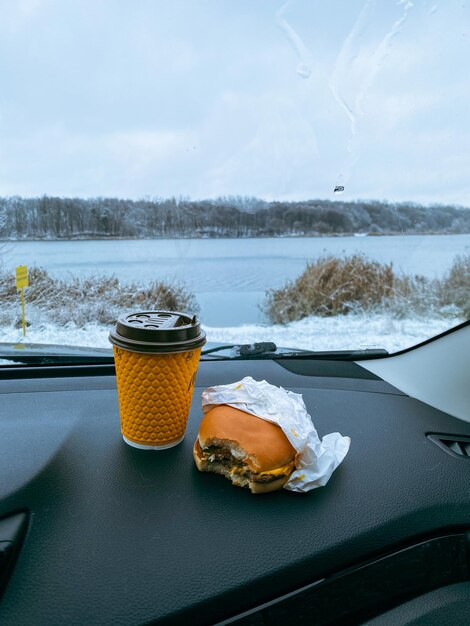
x=97 y=532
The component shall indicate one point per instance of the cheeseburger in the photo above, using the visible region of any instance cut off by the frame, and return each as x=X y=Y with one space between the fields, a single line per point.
x=248 y=450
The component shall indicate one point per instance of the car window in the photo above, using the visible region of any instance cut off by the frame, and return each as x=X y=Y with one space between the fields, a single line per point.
x=293 y=172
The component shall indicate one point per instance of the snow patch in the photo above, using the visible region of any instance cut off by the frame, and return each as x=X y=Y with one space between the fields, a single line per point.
x=342 y=332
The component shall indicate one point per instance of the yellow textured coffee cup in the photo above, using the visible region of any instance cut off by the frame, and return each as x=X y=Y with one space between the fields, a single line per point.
x=156 y=354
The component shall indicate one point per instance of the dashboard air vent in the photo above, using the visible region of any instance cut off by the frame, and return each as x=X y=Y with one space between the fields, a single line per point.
x=453 y=444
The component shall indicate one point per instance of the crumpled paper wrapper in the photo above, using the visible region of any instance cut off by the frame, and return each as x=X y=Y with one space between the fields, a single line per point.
x=315 y=460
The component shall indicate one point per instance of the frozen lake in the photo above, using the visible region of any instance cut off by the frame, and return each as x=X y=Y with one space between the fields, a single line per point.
x=229 y=276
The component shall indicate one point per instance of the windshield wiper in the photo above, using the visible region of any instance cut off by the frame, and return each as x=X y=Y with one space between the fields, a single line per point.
x=57 y=359
x=269 y=350
x=37 y=354
x=44 y=354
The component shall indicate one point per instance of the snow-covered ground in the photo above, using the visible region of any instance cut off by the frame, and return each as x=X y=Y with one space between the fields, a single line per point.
x=343 y=332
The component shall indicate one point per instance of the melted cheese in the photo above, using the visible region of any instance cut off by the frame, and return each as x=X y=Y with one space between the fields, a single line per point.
x=279 y=471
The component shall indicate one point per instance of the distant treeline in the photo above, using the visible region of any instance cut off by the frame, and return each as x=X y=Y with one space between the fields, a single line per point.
x=50 y=217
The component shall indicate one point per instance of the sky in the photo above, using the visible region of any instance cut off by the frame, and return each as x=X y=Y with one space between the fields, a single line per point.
x=280 y=100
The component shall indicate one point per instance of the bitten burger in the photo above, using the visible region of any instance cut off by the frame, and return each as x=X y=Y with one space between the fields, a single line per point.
x=248 y=450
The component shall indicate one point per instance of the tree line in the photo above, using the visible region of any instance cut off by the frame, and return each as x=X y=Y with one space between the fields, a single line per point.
x=49 y=217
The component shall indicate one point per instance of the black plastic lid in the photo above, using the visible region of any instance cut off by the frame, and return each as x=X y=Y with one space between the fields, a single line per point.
x=158 y=332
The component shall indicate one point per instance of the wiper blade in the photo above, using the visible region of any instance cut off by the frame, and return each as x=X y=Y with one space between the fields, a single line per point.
x=54 y=359
x=269 y=350
x=47 y=354
x=337 y=355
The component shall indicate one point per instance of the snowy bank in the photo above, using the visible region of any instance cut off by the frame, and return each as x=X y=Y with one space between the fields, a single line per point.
x=341 y=332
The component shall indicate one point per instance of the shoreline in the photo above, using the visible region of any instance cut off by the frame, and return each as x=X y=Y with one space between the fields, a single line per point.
x=191 y=238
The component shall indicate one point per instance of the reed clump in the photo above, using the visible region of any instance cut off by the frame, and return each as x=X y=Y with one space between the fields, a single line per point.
x=355 y=284
x=99 y=299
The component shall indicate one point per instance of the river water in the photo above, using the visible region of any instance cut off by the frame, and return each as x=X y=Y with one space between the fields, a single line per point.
x=229 y=276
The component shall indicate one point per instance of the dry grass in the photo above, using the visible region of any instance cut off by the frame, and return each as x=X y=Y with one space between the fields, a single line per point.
x=328 y=286
x=99 y=299
x=454 y=289
x=335 y=286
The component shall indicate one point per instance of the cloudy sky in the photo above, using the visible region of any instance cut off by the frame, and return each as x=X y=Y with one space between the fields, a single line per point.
x=203 y=98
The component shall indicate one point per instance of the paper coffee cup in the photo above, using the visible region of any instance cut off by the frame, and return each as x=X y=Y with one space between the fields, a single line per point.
x=156 y=355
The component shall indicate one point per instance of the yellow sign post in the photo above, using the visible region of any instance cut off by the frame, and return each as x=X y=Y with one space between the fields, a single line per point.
x=21 y=283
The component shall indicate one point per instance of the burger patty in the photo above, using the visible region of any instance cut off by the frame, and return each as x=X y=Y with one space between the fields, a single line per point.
x=213 y=454
x=221 y=454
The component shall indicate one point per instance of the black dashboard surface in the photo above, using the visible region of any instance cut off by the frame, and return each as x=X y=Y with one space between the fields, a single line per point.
x=122 y=536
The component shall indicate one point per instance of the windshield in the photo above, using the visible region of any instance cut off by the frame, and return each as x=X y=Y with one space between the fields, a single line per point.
x=292 y=172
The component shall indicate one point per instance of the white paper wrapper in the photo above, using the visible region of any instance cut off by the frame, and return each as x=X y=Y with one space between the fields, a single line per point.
x=316 y=460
